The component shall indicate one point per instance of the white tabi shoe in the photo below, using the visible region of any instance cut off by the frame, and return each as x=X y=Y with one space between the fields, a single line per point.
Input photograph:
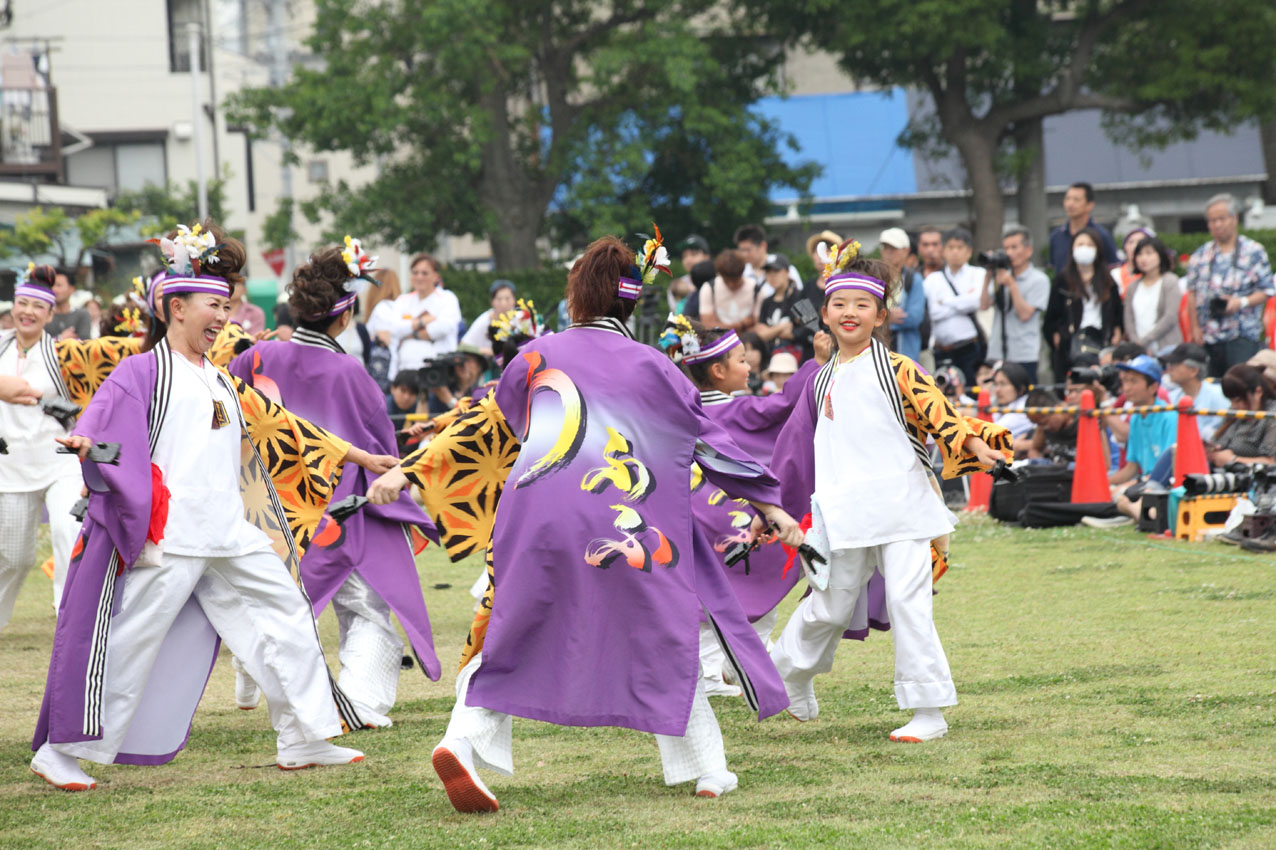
x=315 y=754
x=802 y=704
x=716 y=784
x=247 y=694
x=720 y=688
x=927 y=725
x=60 y=770
x=453 y=761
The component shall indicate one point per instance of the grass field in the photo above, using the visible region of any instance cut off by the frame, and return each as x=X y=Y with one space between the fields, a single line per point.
x=1114 y=693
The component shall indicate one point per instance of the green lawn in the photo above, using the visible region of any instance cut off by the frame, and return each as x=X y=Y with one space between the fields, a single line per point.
x=1114 y=693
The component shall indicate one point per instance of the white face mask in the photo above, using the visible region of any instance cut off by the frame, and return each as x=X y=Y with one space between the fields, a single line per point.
x=1084 y=255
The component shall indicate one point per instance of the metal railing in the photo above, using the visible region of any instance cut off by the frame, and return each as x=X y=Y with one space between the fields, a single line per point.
x=30 y=137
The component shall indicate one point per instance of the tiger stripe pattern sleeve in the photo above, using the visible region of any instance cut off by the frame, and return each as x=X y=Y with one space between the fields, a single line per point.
x=461 y=473
x=223 y=350
x=87 y=363
x=928 y=412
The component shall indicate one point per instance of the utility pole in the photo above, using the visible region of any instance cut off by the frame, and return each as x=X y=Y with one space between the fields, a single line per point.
x=197 y=98
x=278 y=77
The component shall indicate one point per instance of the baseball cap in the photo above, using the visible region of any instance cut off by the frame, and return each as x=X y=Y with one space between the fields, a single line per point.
x=498 y=285
x=777 y=263
x=783 y=362
x=1145 y=365
x=895 y=237
x=694 y=243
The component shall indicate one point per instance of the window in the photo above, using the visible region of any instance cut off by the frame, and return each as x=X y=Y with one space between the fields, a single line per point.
x=181 y=13
x=317 y=171
x=119 y=166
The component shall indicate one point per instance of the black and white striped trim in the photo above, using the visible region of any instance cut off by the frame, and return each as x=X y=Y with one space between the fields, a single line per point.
x=823 y=380
x=890 y=386
x=95 y=673
x=305 y=336
x=50 y=352
x=605 y=323
x=158 y=410
x=746 y=684
x=708 y=398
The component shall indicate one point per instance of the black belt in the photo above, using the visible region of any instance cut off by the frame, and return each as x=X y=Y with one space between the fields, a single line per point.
x=957 y=345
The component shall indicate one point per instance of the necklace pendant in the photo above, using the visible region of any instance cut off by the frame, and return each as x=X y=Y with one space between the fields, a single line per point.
x=828 y=404
x=220 y=419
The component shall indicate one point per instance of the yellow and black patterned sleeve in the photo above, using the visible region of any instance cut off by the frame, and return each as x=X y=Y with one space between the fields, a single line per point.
x=930 y=410
x=86 y=363
x=303 y=460
x=461 y=473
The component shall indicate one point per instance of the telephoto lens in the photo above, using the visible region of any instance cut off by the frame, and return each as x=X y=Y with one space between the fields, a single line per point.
x=1217 y=482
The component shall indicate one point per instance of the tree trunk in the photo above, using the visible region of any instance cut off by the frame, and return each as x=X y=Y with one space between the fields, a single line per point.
x=1029 y=142
x=514 y=197
x=977 y=155
x=1267 y=135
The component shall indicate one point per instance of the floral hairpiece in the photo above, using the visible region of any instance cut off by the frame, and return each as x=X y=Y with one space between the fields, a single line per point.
x=139 y=286
x=191 y=248
x=24 y=276
x=653 y=257
x=358 y=263
x=678 y=338
x=523 y=320
x=130 y=321
x=838 y=258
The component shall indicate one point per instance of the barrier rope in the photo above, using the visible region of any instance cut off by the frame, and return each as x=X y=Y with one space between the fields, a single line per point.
x=1229 y=413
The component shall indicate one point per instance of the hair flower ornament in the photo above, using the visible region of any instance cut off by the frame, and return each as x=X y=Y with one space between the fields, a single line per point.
x=131 y=321
x=523 y=321
x=653 y=258
x=678 y=338
x=190 y=249
x=358 y=263
x=838 y=258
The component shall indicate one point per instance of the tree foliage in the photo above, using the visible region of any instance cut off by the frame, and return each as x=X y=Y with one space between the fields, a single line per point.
x=164 y=207
x=482 y=115
x=1160 y=69
x=40 y=232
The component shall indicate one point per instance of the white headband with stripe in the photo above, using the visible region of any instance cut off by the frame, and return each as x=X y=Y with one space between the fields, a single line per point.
x=725 y=343
x=855 y=280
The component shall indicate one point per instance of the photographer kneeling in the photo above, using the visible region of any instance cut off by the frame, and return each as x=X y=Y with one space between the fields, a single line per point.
x=1019 y=292
x=450 y=378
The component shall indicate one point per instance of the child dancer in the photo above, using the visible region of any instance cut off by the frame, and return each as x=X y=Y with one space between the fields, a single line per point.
x=601 y=578
x=880 y=506
x=714 y=359
x=195 y=534
x=365 y=566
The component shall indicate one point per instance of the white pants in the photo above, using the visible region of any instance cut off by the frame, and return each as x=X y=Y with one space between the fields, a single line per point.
x=808 y=642
x=19 y=526
x=371 y=652
x=490 y=733
x=261 y=615
x=712 y=656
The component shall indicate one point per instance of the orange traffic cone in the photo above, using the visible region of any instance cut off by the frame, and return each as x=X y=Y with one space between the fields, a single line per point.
x=1090 y=479
x=981 y=482
x=1189 y=451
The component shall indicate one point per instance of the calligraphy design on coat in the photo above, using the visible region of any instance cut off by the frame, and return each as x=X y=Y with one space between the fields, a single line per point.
x=737 y=512
x=641 y=544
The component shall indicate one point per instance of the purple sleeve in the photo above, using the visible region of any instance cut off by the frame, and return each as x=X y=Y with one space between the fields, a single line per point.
x=794 y=458
x=724 y=463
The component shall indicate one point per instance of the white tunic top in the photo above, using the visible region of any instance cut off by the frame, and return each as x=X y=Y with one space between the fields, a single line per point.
x=32 y=462
x=441 y=304
x=869 y=481
x=201 y=468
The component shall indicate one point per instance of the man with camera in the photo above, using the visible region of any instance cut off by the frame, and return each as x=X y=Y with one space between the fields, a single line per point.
x=451 y=378
x=1229 y=280
x=1020 y=292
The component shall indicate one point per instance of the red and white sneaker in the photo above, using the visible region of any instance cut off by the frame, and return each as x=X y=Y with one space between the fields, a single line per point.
x=453 y=761
x=716 y=784
x=315 y=754
x=927 y=725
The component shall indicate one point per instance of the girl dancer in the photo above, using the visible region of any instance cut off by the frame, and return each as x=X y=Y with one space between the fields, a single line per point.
x=714 y=360
x=879 y=503
x=193 y=535
x=601 y=577
x=365 y=566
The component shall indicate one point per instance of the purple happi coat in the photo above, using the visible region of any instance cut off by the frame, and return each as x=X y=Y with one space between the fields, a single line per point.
x=129 y=409
x=794 y=464
x=313 y=377
x=601 y=576
x=754 y=423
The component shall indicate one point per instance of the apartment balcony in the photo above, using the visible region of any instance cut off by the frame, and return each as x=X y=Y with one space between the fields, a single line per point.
x=30 y=138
